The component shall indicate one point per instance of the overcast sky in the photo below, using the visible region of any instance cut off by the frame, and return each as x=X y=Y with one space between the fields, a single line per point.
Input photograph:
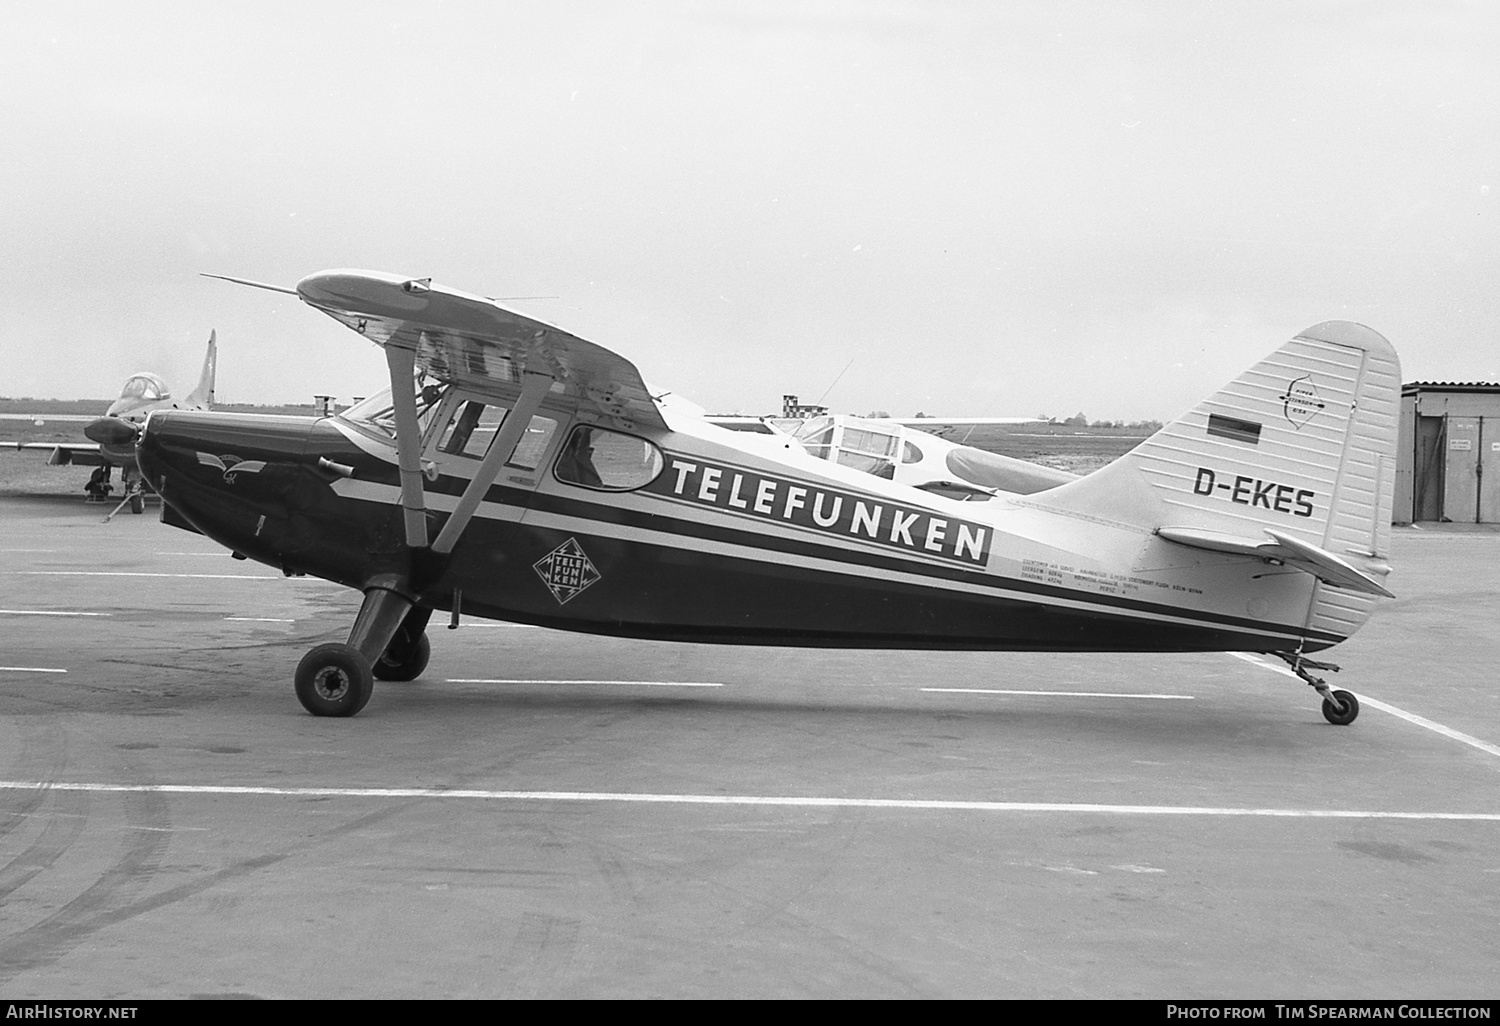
x=990 y=208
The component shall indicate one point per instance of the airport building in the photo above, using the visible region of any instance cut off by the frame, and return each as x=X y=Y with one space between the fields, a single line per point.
x=1448 y=455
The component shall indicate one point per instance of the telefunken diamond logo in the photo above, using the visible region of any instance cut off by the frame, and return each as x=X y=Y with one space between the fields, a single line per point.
x=566 y=571
x=1300 y=402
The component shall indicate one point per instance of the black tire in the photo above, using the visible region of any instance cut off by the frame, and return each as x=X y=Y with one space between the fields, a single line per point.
x=137 y=503
x=1346 y=715
x=334 y=680
x=403 y=660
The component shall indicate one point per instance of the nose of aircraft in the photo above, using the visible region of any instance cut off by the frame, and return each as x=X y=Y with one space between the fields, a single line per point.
x=111 y=431
x=219 y=461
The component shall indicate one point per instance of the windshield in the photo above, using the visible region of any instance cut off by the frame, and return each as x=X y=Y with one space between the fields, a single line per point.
x=379 y=412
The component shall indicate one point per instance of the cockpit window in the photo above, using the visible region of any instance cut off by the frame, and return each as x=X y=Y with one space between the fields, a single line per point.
x=145 y=386
x=379 y=412
x=607 y=460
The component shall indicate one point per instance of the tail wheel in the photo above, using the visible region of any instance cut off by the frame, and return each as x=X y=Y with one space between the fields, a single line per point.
x=1344 y=716
x=334 y=680
x=404 y=659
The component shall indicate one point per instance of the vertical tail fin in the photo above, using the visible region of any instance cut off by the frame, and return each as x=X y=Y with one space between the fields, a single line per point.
x=202 y=397
x=1303 y=443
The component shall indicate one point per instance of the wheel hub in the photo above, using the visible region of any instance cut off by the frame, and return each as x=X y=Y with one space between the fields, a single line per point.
x=331 y=683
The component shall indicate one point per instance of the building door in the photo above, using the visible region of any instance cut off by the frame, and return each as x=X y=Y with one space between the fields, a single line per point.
x=1428 y=479
x=1489 y=470
x=1461 y=471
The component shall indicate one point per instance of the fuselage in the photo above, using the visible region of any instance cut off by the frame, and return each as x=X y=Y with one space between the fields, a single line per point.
x=722 y=537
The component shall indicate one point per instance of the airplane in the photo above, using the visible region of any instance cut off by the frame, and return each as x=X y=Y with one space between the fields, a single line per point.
x=518 y=472
x=895 y=449
x=112 y=445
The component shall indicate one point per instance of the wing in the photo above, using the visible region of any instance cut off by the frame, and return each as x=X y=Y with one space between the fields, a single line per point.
x=208 y=459
x=926 y=423
x=83 y=454
x=477 y=344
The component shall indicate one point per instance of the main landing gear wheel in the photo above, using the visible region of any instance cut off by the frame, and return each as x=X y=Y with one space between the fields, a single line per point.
x=403 y=659
x=137 y=503
x=334 y=680
x=1341 y=717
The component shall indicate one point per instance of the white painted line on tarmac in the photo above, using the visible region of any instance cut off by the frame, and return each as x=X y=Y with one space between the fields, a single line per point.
x=45 y=612
x=511 y=626
x=138 y=573
x=639 y=683
x=1375 y=703
x=1422 y=721
x=221 y=552
x=262 y=619
x=936 y=805
x=1063 y=694
x=1256 y=661
x=30 y=669
x=28 y=550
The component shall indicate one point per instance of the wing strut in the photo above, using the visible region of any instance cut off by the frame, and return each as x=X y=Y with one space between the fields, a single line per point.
x=534 y=388
x=402 y=363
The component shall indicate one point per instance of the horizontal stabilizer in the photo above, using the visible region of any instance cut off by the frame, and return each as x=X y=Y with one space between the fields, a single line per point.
x=1283 y=548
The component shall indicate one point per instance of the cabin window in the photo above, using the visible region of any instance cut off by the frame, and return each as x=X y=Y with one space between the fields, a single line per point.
x=608 y=460
x=910 y=453
x=473 y=425
x=872 y=443
x=816 y=437
x=876 y=465
x=379 y=412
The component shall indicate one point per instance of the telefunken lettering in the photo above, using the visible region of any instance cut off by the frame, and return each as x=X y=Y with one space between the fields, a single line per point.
x=825 y=510
x=1252 y=491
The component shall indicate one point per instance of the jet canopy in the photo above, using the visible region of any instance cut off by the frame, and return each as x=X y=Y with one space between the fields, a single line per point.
x=144 y=386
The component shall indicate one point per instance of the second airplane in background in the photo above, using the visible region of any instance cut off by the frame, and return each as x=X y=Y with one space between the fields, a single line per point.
x=112 y=437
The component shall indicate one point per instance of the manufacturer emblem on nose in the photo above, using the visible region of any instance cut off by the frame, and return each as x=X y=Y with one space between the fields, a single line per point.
x=566 y=571
x=231 y=465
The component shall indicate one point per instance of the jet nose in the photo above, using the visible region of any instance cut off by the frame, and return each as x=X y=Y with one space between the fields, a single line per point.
x=112 y=432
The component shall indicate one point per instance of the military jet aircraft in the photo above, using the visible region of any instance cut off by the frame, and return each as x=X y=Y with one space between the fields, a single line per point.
x=516 y=471
x=112 y=436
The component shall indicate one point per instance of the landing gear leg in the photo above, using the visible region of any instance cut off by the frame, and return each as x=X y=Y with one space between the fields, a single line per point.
x=337 y=679
x=1339 y=707
x=135 y=494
